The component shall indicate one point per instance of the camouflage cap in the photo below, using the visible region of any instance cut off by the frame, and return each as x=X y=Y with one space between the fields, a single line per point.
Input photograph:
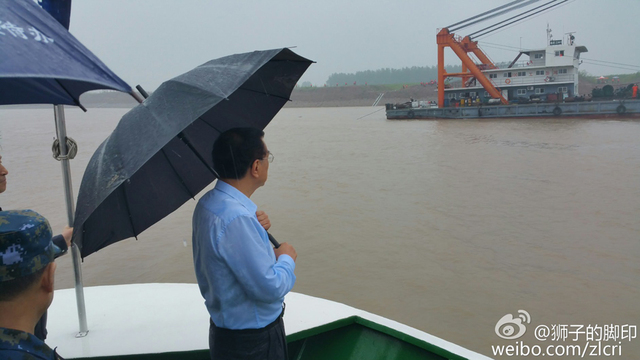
x=25 y=243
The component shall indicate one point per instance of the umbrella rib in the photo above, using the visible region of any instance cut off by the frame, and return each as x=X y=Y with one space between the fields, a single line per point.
x=209 y=125
x=265 y=93
x=126 y=203
x=77 y=102
x=186 y=141
x=177 y=174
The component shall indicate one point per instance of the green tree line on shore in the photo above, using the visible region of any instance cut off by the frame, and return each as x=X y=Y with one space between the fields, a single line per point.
x=408 y=75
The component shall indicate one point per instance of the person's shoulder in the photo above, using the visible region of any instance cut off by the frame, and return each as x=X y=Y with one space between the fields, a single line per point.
x=11 y=337
x=23 y=346
x=218 y=204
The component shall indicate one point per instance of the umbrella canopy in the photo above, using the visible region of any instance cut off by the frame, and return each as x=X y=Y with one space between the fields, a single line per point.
x=159 y=155
x=42 y=63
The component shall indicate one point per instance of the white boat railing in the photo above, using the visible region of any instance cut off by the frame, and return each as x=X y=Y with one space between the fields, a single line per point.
x=531 y=79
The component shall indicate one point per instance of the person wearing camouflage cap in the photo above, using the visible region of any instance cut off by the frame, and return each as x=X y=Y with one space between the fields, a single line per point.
x=62 y=242
x=27 y=271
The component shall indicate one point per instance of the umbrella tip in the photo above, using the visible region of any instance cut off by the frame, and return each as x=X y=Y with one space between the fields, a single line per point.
x=142 y=91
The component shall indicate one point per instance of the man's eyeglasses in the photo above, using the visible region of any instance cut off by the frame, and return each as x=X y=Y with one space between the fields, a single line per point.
x=269 y=156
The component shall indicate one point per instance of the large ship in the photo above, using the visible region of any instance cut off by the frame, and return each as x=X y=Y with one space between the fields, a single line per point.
x=537 y=83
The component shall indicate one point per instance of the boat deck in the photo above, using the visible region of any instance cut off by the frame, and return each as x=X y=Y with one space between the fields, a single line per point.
x=169 y=321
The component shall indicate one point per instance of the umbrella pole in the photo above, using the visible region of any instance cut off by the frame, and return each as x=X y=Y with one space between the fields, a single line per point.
x=61 y=130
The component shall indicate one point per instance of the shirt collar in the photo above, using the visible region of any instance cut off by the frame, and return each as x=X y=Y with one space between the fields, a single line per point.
x=236 y=194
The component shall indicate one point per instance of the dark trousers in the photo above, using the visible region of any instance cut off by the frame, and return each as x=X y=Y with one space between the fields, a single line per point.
x=268 y=343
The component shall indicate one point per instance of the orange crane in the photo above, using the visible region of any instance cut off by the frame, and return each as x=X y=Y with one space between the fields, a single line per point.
x=461 y=47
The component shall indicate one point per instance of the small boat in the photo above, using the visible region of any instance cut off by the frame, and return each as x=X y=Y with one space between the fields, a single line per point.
x=170 y=321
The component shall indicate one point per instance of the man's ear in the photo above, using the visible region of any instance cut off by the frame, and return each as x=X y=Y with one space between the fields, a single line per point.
x=254 y=168
x=47 y=280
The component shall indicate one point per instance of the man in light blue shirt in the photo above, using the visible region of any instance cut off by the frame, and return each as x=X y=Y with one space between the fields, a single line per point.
x=241 y=277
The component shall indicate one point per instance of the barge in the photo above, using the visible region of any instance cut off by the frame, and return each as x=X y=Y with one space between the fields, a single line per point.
x=588 y=109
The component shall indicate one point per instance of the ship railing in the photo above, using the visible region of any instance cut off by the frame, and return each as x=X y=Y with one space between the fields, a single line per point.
x=521 y=64
x=518 y=64
x=531 y=79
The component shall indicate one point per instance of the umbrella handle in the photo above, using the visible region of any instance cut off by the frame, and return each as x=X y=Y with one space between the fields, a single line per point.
x=273 y=240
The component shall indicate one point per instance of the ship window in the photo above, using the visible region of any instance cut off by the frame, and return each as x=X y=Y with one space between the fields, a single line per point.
x=538 y=56
x=562 y=71
x=486 y=94
x=560 y=53
x=473 y=94
x=539 y=72
x=507 y=74
x=522 y=92
x=493 y=76
x=522 y=73
x=539 y=90
x=452 y=96
x=562 y=89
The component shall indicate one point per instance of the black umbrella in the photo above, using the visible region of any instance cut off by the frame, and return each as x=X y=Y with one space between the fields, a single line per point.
x=159 y=155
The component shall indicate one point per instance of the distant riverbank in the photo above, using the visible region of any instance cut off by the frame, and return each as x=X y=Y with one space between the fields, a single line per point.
x=359 y=95
x=330 y=96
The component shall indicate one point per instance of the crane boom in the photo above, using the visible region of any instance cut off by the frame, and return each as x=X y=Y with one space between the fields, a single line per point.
x=461 y=47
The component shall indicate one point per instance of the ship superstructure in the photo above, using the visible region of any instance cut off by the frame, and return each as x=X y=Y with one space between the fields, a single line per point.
x=550 y=72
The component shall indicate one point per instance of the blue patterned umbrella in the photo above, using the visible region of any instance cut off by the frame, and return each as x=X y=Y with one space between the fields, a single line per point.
x=42 y=63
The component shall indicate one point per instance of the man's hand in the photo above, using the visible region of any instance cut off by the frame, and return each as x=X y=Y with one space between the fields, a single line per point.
x=66 y=234
x=285 y=248
x=263 y=219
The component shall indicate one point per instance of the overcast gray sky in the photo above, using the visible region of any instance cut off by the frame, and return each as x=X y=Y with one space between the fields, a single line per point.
x=148 y=41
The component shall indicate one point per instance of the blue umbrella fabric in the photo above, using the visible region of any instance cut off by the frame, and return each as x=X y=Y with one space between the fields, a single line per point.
x=42 y=63
x=159 y=155
x=59 y=9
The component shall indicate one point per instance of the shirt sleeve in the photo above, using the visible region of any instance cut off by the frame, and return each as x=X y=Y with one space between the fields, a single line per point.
x=253 y=262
